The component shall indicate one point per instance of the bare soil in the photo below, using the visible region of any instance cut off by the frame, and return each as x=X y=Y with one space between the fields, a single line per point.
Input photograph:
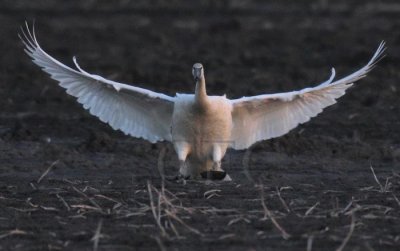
x=69 y=182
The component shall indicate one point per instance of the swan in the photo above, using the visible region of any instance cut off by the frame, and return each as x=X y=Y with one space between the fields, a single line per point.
x=200 y=127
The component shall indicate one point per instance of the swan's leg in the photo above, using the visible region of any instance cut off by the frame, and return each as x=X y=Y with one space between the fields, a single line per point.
x=182 y=148
x=183 y=170
x=217 y=157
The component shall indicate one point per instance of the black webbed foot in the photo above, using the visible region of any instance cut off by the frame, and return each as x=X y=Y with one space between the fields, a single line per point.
x=213 y=175
x=178 y=177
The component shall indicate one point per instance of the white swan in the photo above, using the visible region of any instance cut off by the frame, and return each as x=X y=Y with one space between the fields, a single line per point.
x=200 y=127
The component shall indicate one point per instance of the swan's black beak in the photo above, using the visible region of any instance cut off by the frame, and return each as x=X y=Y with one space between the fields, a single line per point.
x=197 y=73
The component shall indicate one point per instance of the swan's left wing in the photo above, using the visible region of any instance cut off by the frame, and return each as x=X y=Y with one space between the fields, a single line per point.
x=135 y=111
x=268 y=116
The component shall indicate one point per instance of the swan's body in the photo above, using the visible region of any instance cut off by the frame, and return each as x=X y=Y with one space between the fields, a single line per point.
x=200 y=127
x=201 y=133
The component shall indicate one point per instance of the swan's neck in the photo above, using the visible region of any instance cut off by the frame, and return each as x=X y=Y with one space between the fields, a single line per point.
x=201 y=97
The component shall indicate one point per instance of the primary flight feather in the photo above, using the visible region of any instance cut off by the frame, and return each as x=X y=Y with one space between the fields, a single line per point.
x=201 y=127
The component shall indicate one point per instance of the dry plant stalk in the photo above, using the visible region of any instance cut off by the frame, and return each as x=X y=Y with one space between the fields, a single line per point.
x=349 y=234
x=165 y=213
x=159 y=243
x=396 y=199
x=175 y=217
x=348 y=206
x=309 y=211
x=282 y=200
x=154 y=211
x=211 y=193
x=97 y=235
x=88 y=198
x=226 y=236
x=310 y=240
x=47 y=171
x=382 y=189
x=63 y=201
x=13 y=232
x=268 y=214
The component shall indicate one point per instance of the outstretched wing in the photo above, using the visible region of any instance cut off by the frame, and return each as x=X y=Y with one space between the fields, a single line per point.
x=268 y=116
x=135 y=111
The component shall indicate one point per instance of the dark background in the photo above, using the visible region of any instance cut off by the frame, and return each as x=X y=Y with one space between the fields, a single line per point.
x=248 y=48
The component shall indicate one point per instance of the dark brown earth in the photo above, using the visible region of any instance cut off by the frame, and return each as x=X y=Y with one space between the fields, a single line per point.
x=317 y=181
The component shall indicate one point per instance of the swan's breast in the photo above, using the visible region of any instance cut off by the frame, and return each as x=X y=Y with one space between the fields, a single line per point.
x=202 y=129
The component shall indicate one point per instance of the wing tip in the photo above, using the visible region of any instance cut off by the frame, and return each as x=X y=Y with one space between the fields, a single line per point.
x=378 y=55
x=361 y=73
x=27 y=35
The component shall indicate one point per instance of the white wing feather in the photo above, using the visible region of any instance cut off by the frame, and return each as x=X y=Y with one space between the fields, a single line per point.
x=272 y=115
x=135 y=111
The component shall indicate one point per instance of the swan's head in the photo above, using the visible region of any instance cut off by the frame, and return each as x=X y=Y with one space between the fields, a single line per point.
x=198 y=71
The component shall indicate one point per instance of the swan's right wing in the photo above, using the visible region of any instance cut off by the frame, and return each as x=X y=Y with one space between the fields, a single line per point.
x=272 y=115
x=135 y=111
